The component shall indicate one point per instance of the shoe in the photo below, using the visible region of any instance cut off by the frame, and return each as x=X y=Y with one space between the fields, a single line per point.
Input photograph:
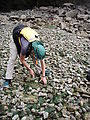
x=3 y=84
x=6 y=84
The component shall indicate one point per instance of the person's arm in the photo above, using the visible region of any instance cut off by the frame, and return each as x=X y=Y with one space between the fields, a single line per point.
x=24 y=47
x=22 y=59
x=43 y=78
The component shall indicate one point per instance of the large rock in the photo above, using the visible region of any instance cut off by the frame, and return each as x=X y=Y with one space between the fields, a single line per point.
x=24 y=4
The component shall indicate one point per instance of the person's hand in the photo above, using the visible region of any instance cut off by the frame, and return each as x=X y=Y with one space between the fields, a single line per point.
x=43 y=78
x=32 y=73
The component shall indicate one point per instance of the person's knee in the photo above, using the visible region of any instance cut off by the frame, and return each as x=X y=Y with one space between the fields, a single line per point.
x=12 y=59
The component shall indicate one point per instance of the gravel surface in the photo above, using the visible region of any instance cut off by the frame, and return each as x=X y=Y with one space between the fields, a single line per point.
x=66 y=35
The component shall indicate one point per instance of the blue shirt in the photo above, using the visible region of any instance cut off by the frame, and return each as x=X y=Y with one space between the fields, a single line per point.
x=24 y=46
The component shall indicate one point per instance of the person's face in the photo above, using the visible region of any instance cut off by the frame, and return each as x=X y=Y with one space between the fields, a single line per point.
x=32 y=54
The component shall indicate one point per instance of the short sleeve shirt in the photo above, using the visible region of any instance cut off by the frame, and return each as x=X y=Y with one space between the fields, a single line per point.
x=24 y=46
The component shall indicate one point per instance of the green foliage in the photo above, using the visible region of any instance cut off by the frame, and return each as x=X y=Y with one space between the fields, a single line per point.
x=21 y=114
x=2 y=112
x=63 y=95
x=38 y=118
x=26 y=88
x=29 y=106
x=51 y=26
x=28 y=112
x=36 y=106
x=60 y=114
x=56 y=99
x=41 y=100
x=51 y=111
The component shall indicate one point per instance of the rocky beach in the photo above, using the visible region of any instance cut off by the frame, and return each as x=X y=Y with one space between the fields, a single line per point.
x=65 y=32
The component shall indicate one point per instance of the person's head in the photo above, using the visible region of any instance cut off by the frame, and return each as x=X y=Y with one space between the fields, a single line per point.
x=39 y=50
